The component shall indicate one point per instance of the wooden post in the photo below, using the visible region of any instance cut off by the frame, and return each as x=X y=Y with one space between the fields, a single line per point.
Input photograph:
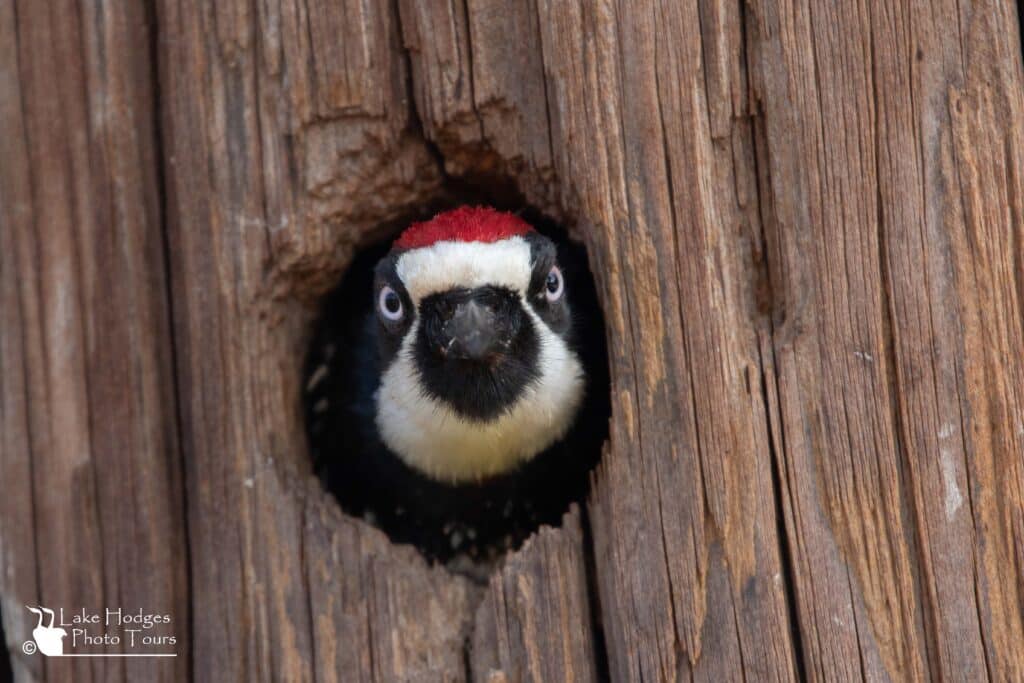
x=806 y=222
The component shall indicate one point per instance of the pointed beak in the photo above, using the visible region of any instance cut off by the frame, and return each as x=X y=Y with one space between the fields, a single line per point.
x=473 y=332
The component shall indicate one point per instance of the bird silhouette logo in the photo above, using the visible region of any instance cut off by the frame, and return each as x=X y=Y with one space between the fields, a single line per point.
x=49 y=640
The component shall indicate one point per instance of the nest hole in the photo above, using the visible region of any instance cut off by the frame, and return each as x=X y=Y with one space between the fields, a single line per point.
x=467 y=527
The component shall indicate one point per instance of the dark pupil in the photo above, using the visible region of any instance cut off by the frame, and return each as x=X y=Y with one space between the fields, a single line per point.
x=392 y=302
x=552 y=282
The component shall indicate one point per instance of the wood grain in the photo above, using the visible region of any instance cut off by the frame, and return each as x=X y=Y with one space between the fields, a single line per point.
x=376 y=611
x=891 y=157
x=93 y=510
x=806 y=223
x=683 y=514
x=271 y=128
x=535 y=623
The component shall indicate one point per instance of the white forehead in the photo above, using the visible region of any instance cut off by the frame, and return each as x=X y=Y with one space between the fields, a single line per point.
x=449 y=265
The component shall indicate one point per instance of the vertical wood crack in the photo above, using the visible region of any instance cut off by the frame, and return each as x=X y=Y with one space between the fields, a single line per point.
x=774 y=309
x=6 y=672
x=786 y=556
x=603 y=668
x=161 y=162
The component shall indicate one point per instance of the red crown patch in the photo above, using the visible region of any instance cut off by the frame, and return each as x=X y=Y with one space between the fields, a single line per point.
x=464 y=224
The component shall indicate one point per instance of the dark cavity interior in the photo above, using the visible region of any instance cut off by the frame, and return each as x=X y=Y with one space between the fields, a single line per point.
x=467 y=527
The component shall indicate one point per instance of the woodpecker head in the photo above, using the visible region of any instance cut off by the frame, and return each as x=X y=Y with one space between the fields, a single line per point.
x=473 y=320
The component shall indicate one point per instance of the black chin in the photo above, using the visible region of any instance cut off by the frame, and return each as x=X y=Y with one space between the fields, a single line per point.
x=485 y=388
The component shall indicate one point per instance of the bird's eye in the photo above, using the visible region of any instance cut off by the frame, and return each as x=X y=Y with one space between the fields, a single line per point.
x=390 y=304
x=554 y=285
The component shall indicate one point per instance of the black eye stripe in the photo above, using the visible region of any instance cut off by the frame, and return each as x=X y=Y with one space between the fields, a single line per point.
x=543 y=255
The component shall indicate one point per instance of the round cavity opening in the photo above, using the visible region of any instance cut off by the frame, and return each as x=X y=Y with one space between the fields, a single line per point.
x=456 y=386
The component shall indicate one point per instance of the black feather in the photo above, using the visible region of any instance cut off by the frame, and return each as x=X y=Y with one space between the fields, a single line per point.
x=479 y=521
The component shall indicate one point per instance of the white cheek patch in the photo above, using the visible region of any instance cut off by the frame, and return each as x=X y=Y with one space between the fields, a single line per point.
x=449 y=265
x=431 y=437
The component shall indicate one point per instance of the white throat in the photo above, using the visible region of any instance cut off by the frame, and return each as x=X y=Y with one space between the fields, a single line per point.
x=432 y=438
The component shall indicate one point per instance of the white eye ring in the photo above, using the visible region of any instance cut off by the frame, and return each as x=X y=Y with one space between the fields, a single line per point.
x=386 y=302
x=555 y=280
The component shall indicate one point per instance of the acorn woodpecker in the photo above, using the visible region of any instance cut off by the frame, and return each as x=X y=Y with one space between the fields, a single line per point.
x=456 y=391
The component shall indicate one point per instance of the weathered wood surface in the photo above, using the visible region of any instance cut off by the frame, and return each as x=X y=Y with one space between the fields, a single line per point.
x=894 y=169
x=91 y=511
x=806 y=220
x=535 y=622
